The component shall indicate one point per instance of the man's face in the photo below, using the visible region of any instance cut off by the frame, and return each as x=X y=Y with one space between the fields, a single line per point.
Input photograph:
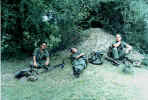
x=43 y=46
x=118 y=37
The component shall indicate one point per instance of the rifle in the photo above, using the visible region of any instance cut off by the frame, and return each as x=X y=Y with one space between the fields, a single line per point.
x=29 y=71
x=112 y=60
x=49 y=68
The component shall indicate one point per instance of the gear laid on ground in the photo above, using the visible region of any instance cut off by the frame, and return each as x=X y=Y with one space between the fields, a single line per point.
x=32 y=78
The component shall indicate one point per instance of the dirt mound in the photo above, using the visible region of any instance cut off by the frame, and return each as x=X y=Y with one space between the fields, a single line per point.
x=100 y=40
x=97 y=40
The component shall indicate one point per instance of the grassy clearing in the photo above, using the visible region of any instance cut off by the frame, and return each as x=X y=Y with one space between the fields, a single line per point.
x=97 y=82
x=105 y=82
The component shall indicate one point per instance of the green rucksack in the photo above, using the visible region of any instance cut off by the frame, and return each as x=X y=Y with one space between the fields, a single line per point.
x=96 y=58
x=23 y=73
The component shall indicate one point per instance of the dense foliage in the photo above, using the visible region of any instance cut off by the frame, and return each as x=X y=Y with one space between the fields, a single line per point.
x=128 y=17
x=23 y=26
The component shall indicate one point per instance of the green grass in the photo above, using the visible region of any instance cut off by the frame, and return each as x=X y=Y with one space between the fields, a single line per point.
x=97 y=82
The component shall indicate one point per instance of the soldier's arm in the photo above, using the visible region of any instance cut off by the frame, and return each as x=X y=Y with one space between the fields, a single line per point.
x=116 y=44
x=34 y=61
x=128 y=48
x=47 y=61
x=82 y=54
x=47 y=58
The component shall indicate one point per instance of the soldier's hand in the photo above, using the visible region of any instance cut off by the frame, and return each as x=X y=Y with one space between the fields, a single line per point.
x=46 y=63
x=35 y=64
x=127 y=51
x=117 y=44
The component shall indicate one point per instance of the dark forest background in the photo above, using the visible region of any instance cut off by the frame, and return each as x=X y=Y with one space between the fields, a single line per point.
x=23 y=25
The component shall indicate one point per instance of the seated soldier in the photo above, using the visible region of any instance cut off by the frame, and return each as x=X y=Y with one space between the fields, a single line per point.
x=78 y=61
x=40 y=57
x=119 y=48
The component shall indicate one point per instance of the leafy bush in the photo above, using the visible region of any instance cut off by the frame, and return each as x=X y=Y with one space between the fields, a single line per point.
x=23 y=26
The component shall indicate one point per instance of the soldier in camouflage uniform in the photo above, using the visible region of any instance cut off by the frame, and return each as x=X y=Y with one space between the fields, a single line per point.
x=120 y=48
x=78 y=61
x=40 y=57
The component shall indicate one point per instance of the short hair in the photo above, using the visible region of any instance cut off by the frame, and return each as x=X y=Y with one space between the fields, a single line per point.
x=118 y=34
x=41 y=42
x=72 y=48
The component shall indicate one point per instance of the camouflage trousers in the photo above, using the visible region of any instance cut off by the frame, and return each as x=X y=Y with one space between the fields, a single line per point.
x=78 y=68
x=118 y=54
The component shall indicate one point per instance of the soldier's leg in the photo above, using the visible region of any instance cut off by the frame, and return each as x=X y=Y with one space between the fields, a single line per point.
x=33 y=68
x=74 y=71
x=122 y=54
x=77 y=72
x=31 y=65
x=85 y=65
x=42 y=65
x=115 y=53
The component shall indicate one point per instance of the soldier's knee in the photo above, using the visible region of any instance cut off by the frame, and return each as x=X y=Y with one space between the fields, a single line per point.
x=114 y=48
x=31 y=64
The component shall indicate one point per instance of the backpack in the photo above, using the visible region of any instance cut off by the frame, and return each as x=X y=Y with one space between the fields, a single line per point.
x=25 y=72
x=96 y=58
x=30 y=74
